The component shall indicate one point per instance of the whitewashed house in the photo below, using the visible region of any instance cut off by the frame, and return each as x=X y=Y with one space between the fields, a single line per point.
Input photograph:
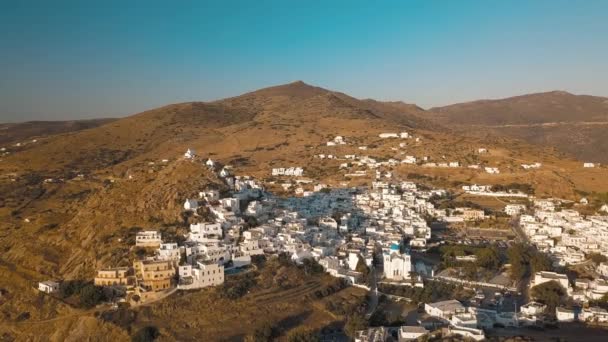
x=189 y=154
x=564 y=314
x=444 y=309
x=514 y=209
x=544 y=276
x=225 y=172
x=411 y=332
x=200 y=275
x=148 y=238
x=169 y=252
x=48 y=286
x=191 y=205
x=533 y=309
x=492 y=170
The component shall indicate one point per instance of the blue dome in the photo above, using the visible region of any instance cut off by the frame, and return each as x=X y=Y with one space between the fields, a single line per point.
x=394 y=247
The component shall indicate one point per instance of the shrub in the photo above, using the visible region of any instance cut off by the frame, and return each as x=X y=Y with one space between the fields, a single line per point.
x=146 y=334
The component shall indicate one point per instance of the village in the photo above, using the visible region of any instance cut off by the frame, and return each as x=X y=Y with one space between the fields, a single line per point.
x=386 y=238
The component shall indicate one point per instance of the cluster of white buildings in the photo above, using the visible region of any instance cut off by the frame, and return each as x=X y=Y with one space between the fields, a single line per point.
x=536 y=165
x=486 y=190
x=338 y=140
x=569 y=238
x=564 y=233
x=402 y=135
x=289 y=171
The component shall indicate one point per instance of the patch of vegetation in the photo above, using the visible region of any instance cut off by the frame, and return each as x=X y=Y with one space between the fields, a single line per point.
x=519 y=187
x=146 y=334
x=84 y=294
x=263 y=333
x=344 y=306
x=431 y=292
x=327 y=290
x=526 y=260
x=303 y=335
x=238 y=286
x=355 y=322
x=598 y=258
x=550 y=293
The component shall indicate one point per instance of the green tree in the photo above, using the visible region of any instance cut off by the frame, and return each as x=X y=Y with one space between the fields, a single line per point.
x=597 y=258
x=488 y=258
x=303 y=335
x=549 y=293
x=540 y=262
x=263 y=333
x=146 y=334
x=355 y=322
x=90 y=295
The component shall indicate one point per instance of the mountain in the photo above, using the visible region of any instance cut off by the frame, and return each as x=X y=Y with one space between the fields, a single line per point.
x=574 y=124
x=17 y=132
x=164 y=131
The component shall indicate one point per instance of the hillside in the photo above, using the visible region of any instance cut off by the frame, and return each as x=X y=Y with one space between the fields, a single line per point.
x=574 y=124
x=18 y=132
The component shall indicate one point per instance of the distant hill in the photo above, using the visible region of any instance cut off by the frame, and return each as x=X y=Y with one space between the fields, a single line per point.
x=574 y=124
x=275 y=113
x=16 y=132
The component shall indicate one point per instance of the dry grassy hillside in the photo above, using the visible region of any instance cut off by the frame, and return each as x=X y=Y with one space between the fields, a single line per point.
x=574 y=124
x=17 y=132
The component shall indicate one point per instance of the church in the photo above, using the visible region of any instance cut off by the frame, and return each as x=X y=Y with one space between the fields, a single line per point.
x=397 y=265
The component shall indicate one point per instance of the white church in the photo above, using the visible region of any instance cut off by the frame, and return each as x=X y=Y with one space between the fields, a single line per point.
x=397 y=265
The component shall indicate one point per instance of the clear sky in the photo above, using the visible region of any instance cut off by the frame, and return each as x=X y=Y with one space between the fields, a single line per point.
x=84 y=59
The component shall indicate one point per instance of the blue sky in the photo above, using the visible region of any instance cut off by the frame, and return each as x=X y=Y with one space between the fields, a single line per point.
x=83 y=59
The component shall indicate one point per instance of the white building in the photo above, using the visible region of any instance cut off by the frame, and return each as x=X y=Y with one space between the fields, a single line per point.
x=206 y=229
x=48 y=286
x=148 y=238
x=544 y=276
x=594 y=314
x=514 y=209
x=411 y=333
x=191 y=205
x=169 y=252
x=397 y=265
x=492 y=170
x=189 y=154
x=201 y=275
x=588 y=165
x=444 y=309
x=532 y=309
x=564 y=315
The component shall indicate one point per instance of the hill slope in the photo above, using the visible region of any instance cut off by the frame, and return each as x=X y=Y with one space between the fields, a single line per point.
x=17 y=132
x=575 y=124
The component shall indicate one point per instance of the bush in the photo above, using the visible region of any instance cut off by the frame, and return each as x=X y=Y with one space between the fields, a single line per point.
x=303 y=335
x=146 y=334
x=263 y=333
x=91 y=295
x=549 y=293
x=354 y=323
